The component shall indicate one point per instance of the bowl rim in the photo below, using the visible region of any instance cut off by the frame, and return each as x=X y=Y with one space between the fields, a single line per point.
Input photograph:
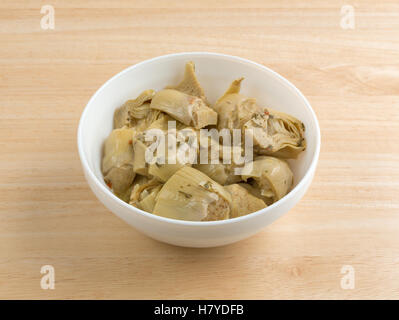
x=286 y=198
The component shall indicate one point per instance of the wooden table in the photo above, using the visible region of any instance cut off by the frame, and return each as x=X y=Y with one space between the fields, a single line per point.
x=349 y=217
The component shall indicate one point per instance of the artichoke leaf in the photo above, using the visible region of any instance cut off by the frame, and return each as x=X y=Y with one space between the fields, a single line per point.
x=190 y=84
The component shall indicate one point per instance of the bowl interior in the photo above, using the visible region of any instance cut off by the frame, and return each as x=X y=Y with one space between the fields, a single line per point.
x=215 y=72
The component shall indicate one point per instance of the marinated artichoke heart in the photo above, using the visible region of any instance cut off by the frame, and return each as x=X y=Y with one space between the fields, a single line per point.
x=185 y=108
x=255 y=191
x=271 y=175
x=117 y=164
x=164 y=166
x=235 y=109
x=191 y=195
x=190 y=84
x=163 y=172
x=133 y=109
x=223 y=173
x=140 y=145
x=125 y=195
x=243 y=202
x=144 y=193
x=140 y=166
x=274 y=133
x=163 y=169
x=277 y=134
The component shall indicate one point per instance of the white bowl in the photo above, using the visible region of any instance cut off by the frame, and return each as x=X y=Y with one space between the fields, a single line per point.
x=215 y=72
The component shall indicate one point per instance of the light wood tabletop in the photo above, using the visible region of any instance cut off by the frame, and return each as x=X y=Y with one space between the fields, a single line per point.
x=340 y=242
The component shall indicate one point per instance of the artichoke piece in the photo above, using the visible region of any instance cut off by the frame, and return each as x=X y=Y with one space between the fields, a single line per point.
x=233 y=108
x=271 y=175
x=243 y=202
x=169 y=163
x=141 y=111
x=120 y=179
x=256 y=192
x=140 y=166
x=163 y=172
x=160 y=171
x=277 y=133
x=125 y=195
x=188 y=109
x=149 y=198
x=118 y=149
x=191 y=195
x=274 y=133
x=144 y=193
x=161 y=121
x=221 y=173
x=131 y=109
x=118 y=160
x=140 y=145
x=152 y=119
x=139 y=184
x=216 y=172
x=190 y=84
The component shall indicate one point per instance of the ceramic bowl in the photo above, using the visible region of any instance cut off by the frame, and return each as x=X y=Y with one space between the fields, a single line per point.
x=215 y=73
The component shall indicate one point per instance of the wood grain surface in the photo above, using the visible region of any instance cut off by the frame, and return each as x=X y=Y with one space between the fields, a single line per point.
x=349 y=216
